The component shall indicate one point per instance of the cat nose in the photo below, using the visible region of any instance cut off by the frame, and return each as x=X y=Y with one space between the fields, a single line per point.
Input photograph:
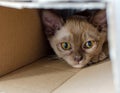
x=78 y=58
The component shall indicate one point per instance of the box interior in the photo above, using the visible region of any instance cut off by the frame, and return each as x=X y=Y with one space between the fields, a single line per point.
x=53 y=76
x=27 y=65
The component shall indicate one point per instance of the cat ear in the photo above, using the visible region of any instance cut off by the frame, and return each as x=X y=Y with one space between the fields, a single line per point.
x=51 y=22
x=100 y=20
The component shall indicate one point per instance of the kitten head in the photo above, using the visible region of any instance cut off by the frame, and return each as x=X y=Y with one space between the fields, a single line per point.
x=75 y=40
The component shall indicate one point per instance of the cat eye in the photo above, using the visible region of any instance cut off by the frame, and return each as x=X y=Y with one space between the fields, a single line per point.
x=89 y=44
x=66 y=45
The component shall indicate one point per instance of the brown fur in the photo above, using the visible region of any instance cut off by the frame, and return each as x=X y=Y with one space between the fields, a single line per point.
x=77 y=31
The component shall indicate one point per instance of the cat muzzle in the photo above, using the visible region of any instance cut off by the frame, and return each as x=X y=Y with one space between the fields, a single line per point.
x=78 y=58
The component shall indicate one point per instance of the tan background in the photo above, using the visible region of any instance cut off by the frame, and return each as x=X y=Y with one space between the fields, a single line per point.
x=21 y=38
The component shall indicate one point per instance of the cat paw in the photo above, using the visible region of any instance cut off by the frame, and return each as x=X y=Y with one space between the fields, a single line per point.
x=102 y=56
x=95 y=59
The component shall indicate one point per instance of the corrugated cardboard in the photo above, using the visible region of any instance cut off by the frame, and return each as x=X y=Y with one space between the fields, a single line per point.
x=93 y=79
x=54 y=4
x=21 y=38
x=55 y=76
x=22 y=42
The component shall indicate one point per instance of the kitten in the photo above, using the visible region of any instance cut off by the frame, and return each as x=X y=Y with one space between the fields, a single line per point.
x=76 y=40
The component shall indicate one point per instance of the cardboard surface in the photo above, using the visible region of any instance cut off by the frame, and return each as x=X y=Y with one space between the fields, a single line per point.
x=54 y=4
x=54 y=76
x=21 y=38
x=41 y=77
x=94 y=79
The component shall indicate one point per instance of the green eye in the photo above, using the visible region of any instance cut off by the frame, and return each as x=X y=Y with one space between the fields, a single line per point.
x=66 y=45
x=89 y=44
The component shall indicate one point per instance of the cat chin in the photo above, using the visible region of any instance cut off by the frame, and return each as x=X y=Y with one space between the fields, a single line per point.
x=78 y=66
x=75 y=64
x=81 y=64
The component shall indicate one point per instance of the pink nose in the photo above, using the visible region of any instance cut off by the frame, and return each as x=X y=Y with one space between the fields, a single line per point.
x=78 y=58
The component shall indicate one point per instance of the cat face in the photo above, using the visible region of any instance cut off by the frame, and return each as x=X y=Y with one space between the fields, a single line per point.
x=76 y=41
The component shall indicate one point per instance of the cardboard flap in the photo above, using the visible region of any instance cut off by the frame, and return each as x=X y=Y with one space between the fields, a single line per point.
x=54 y=4
x=21 y=38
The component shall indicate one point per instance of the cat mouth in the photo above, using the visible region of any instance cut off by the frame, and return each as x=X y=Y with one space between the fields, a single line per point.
x=80 y=64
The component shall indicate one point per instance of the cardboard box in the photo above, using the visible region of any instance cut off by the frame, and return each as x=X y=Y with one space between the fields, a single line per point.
x=22 y=50
x=21 y=38
x=53 y=76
